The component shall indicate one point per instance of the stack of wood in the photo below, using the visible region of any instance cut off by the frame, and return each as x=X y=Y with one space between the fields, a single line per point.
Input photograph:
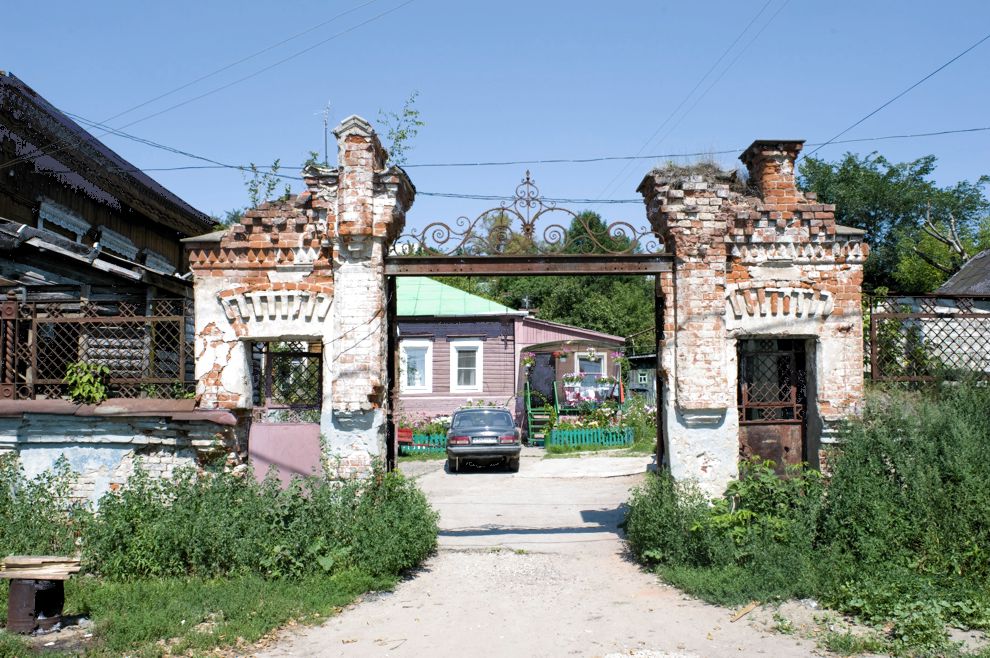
x=39 y=567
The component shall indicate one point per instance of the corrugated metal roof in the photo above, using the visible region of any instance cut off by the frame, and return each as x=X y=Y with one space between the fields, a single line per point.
x=973 y=278
x=422 y=296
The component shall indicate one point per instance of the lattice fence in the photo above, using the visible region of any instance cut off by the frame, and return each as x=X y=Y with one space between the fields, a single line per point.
x=923 y=338
x=147 y=348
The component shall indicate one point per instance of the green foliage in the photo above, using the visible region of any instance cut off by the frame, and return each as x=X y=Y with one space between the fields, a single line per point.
x=890 y=201
x=619 y=305
x=261 y=185
x=900 y=540
x=230 y=217
x=401 y=128
x=220 y=524
x=87 y=382
x=37 y=514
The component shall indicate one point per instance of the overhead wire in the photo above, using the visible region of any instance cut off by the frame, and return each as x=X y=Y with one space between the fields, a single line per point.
x=216 y=164
x=215 y=90
x=670 y=116
x=881 y=107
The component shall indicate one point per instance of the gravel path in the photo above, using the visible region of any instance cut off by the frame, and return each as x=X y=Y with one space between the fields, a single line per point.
x=531 y=566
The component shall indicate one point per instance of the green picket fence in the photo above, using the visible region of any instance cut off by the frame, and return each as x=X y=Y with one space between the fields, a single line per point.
x=425 y=443
x=592 y=436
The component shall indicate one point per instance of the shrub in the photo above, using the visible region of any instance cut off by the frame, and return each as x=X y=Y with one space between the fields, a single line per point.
x=38 y=514
x=220 y=524
x=900 y=538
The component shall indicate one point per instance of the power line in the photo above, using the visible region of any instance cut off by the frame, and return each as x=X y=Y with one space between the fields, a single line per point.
x=721 y=75
x=220 y=88
x=843 y=132
x=271 y=66
x=216 y=164
x=241 y=60
x=670 y=116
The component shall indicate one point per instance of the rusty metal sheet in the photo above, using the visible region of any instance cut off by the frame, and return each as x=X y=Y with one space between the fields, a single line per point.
x=782 y=443
x=525 y=265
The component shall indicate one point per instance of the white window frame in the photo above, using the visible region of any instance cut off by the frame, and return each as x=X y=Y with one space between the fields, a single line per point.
x=642 y=377
x=403 y=360
x=478 y=345
x=602 y=358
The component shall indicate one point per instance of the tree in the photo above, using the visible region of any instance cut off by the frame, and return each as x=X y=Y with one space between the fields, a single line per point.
x=919 y=233
x=401 y=128
x=619 y=305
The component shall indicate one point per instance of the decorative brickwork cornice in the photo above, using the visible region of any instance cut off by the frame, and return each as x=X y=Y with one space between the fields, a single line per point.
x=277 y=301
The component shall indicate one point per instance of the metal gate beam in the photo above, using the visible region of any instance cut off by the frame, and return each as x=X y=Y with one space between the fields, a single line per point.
x=526 y=265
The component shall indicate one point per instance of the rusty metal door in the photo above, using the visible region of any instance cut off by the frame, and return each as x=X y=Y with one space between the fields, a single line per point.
x=285 y=432
x=773 y=400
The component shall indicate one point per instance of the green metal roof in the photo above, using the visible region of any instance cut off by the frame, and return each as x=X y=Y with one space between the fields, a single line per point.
x=422 y=296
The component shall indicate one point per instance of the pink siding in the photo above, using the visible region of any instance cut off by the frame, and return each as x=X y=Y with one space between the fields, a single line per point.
x=498 y=379
x=292 y=448
x=529 y=332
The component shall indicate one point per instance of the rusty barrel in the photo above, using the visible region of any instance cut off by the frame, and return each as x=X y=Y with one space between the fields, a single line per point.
x=34 y=605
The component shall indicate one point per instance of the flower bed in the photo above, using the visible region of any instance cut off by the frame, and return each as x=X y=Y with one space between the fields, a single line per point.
x=592 y=436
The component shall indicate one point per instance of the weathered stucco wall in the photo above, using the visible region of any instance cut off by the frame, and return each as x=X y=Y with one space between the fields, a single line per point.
x=310 y=268
x=762 y=261
x=102 y=448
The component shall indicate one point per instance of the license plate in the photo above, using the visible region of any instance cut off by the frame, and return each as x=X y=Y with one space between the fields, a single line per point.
x=484 y=440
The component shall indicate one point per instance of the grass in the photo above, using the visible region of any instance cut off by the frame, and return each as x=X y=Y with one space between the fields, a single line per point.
x=151 y=617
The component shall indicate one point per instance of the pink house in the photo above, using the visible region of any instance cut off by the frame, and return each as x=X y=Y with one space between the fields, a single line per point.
x=456 y=348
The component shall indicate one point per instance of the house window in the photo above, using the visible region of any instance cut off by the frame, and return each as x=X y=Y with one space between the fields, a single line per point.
x=416 y=362
x=590 y=364
x=466 y=365
x=643 y=377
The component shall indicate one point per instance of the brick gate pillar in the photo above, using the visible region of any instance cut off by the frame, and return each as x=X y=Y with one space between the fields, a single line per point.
x=689 y=211
x=308 y=268
x=371 y=204
x=751 y=259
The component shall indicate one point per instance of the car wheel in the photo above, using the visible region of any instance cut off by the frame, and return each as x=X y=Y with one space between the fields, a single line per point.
x=512 y=463
x=451 y=465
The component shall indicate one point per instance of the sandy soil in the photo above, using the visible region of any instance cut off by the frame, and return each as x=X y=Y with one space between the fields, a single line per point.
x=532 y=566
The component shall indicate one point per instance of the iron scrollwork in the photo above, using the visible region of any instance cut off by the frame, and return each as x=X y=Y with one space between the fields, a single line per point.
x=511 y=228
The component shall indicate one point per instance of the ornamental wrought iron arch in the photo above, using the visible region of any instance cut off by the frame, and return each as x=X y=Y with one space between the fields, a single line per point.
x=514 y=228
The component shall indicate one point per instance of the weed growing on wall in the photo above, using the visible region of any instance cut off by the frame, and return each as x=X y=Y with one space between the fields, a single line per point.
x=898 y=539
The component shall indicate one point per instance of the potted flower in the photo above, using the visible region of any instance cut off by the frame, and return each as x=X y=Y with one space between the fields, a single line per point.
x=528 y=360
x=573 y=378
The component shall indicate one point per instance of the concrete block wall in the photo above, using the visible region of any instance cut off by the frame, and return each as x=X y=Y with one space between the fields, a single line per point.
x=310 y=267
x=762 y=261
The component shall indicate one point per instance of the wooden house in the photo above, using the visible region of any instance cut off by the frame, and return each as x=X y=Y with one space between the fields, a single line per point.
x=76 y=219
x=456 y=348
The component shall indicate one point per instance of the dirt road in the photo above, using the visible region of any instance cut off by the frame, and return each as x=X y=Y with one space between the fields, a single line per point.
x=532 y=566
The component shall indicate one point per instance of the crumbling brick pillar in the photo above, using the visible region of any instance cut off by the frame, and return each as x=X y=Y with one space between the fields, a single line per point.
x=372 y=202
x=309 y=268
x=688 y=211
x=760 y=262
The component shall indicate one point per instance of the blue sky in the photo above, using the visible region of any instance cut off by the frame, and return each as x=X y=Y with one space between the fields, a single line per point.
x=510 y=80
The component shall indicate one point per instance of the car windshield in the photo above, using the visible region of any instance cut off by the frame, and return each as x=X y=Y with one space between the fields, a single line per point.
x=478 y=419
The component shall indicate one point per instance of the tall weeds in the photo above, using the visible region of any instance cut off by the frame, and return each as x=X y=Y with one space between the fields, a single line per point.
x=900 y=535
